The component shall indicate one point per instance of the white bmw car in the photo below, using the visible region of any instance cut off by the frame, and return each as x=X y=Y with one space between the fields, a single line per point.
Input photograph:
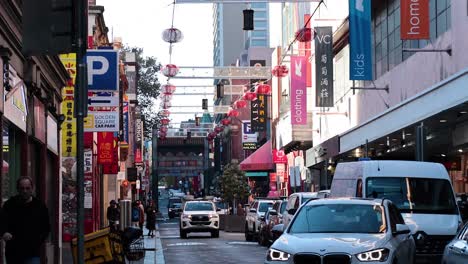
x=345 y=231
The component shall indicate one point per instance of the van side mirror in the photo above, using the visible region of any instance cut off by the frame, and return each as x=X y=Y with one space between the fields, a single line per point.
x=401 y=229
x=252 y=210
x=292 y=211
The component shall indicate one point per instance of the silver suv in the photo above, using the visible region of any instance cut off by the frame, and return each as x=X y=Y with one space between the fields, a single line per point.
x=252 y=220
x=199 y=216
x=345 y=231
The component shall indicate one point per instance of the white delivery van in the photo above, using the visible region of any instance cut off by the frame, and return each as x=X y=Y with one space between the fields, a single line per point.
x=421 y=190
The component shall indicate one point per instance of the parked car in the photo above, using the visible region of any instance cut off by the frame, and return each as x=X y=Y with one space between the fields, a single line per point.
x=345 y=230
x=456 y=252
x=252 y=220
x=174 y=207
x=199 y=216
x=421 y=190
x=295 y=200
x=272 y=217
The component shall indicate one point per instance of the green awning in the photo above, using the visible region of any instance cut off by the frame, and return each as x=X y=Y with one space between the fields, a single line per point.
x=256 y=174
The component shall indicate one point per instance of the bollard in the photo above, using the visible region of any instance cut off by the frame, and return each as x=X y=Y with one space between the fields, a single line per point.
x=125 y=214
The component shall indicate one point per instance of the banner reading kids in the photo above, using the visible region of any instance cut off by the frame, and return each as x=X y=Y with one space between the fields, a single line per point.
x=360 y=40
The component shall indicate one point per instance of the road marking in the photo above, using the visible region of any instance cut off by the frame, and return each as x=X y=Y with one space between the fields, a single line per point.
x=159 y=249
x=186 y=244
x=168 y=237
x=174 y=223
x=241 y=243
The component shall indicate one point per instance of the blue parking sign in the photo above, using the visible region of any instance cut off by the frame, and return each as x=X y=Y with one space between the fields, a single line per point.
x=103 y=68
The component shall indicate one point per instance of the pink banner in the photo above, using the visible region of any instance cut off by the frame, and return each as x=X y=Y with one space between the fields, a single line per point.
x=298 y=90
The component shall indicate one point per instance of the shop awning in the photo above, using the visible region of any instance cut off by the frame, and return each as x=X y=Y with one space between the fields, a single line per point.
x=260 y=160
x=256 y=174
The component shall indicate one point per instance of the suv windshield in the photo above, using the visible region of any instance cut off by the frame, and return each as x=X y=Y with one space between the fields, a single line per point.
x=414 y=195
x=339 y=218
x=263 y=207
x=199 y=207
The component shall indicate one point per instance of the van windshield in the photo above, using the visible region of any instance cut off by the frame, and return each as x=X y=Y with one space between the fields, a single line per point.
x=414 y=195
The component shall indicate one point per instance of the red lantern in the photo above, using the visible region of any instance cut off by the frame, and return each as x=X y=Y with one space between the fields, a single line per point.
x=225 y=122
x=165 y=112
x=263 y=89
x=163 y=129
x=170 y=70
x=233 y=113
x=166 y=97
x=304 y=35
x=168 y=88
x=165 y=121
x=219 y=129
x=172 y=35
x=250 y=96
x=240 y=104
x=280 y=71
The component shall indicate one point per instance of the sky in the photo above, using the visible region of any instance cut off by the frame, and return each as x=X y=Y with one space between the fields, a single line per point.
x=140 y=23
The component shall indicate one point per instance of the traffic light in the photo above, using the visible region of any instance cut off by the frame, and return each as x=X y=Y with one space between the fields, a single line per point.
x=248 y=19
x=48 y=27
x=205 y=104
x=219 y=90
x=197 y=121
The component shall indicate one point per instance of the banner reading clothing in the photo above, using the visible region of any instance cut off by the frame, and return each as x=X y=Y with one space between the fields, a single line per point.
x=298 y=90
x=324 y=67
x=414 y=17
x=360 y=40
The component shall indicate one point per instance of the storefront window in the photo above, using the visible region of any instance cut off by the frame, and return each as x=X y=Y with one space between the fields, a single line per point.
x=11 y=161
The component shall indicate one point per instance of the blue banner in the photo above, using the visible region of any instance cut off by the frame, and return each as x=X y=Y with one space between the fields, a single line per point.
x=360 y=40
x=103 y=70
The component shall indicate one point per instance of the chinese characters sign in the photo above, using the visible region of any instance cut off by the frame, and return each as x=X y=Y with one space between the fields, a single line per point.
x=324 y=67
x=258 y=115
x=69 y=124
x=105 y=147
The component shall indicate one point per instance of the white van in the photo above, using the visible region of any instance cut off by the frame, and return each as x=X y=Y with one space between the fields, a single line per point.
x=421 y=190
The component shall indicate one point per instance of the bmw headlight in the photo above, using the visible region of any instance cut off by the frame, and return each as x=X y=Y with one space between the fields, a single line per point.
x=276 y=255
x=380 y=254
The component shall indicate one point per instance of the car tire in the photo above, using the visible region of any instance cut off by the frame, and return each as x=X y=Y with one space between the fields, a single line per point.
x=183 y=234
x=215 y=234
x=248 y=236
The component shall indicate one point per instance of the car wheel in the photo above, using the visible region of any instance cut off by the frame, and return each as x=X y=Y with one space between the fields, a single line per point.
x=248 y=236
x=183 y=234
x=215 y=234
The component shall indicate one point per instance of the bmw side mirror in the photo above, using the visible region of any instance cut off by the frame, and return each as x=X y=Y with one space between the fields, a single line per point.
x=401 y=229
x=278 y=230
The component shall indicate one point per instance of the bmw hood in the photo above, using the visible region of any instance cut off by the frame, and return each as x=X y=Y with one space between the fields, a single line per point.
x=323 y=243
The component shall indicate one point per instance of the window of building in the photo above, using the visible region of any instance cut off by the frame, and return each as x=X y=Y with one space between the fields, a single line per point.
x=260 y=24
x=259 y=43
x=260 y=14
x=259 y=34
x=388 y=47
x=257 y=5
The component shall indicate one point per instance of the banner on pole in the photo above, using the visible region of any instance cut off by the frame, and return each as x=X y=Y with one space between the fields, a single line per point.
x=360 y=40
x=324 y=67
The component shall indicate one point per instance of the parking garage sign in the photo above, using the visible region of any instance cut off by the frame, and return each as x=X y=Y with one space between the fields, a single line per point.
x=102 y=70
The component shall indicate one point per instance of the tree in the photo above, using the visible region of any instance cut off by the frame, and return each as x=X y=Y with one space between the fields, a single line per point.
x=233 y=184
x=148 y=88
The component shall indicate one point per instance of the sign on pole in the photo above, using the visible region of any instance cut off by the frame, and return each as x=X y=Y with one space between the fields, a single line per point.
x=102 y=70
x=102 y=122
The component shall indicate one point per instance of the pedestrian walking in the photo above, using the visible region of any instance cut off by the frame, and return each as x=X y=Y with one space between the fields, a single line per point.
x=141 y=220
x=151 y=219
x=27 y=225
x=240 y=210
x=113 y=215
x=135 y=214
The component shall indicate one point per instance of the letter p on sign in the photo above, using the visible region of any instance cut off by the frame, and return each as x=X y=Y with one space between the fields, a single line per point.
x=102 y=67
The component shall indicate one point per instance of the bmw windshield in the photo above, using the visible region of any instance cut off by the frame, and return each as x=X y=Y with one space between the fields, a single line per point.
x=339 y=218
x=414 y=195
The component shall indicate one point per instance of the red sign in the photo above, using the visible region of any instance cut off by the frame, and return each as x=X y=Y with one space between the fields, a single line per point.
x=279 y=156
x=138 y=157
x=105 y=142
x=272 y=177
x=414 y=19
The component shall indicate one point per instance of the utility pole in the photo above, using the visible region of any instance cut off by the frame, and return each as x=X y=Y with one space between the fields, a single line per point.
x=81 y=96
x=154 y=164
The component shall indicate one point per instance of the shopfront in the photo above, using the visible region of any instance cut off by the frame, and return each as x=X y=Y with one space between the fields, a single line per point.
x=321 y=161
x=431 y=126
x=258 y=167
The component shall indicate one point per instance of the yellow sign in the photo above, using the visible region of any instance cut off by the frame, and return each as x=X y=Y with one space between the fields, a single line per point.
x=69 y=125
x=100 y=247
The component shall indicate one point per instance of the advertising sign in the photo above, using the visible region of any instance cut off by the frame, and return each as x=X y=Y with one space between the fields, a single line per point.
x=258 y=114
x=105 y=145
x=247 y=134
x=279 y=156
x=324 y=67
x=281 y=171
x=88 y=161
x=102 y=122
x=52 y=141
x=249 y=145
x=360 y=40
x=103 y=70
x=298 y=90
x=414 y=17
x=125 y=121
x=39 y=121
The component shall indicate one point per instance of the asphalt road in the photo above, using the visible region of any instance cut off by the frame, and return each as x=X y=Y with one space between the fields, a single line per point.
x=201 y=248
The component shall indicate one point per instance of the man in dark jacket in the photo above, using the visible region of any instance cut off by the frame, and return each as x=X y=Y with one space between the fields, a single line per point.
x=27 y=225
x=113 y=214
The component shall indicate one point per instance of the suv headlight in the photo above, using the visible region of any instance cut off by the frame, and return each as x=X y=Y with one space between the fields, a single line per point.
x=277 y=255
x=213 y=216
x=380 y=254
x=185 y=216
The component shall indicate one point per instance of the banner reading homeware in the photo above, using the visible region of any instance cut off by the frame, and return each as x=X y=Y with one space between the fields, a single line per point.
x=298 y=90
x=324 y=67
x=360 y=40
x=414 y=19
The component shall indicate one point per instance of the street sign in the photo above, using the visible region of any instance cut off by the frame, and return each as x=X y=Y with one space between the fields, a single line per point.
x=103 y=101
x=102 y=70
x=102 y=122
